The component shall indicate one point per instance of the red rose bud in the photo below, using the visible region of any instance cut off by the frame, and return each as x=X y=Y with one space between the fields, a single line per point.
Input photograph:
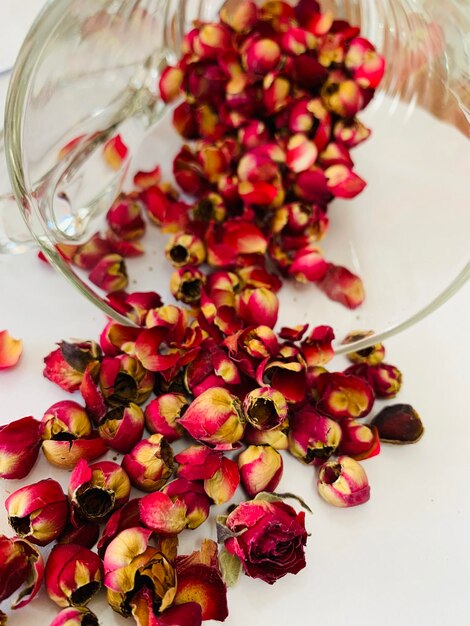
x=385 y=380
x=317 y=348
x=20 y=442
x=343 y=482
x=200 y=580
x=222 y=485
x=123 y=379
x=110 y=273
x=216 y=418
x=398 y=423
x=258 y=306
x=342 y=286
x=129 y=559
x=144 y=180
x=38 y=512
x=186 y=284
x=115 y=152
x=277 y=437
x=122 y=428
x=265 y=408
x=341 y=95
x=163 y=515
x=21 y=567
x=261 y=56
x=10 y=350
x=150 y=463
x=371 y=356
x=128 y=516
x=286 y=372
x=125 y=219
x=301 y=153
x=241 y=18
x=210 y=207
x=260 y=469
x=142 y=302
x=313 y=438
x=75 y=616
x=97 y=490
x=294 y=333
x=66 y=365
x=335 y=154
x=343 y=182
x=73 y=575
x=358 y=441
x=350 y=133
x=308 y=265
x=185 y=249
x=89 y=253
x=192 y=493
x=162 y=413
x=170 y=83
x=364 y=63
x=198 y=462
x=68 y=436
x=262 y=530
x=343 y=396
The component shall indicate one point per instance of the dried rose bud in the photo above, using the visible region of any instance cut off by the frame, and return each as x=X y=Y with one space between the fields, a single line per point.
x=242 y=17
x=10 y=350
x=125 y=219
x=192 y=494
x=170 y=83
x=335 y=154
x=75 y=616
x=38 y=512
x=163 y=515
x=89 y=253
x=216 y=418
x=186 y=284
x=144 y=180
x=343 y=182
x=128 y=516
x=317 y=348
x=67 y=435
x=129 y=561
x=399 y=423
x=110 y=273
x=342 y=286
x=185 y=249
x=198 y=462
x=301 y=153
x=162 y=413
x=258 y=306
x=286 y=372
x=308 y=265
x=343 y=482
x=66 y=365
x=97 y=490
x=364 y=63
x=313 y=437
x=122 y=427
x=260 y=469
x=350 y=133
x=358 y=441
x=20 y=442
x=277 y=437
x=384 y=379
x=265 y=408
x=115 y=152
x=150 y=463
x=200 y=580
x=73 y=575
x=344 y=396
x=341 y=95
x=261 y=56
x=222 y=485
x=209 y=208
x=21 y=567
x=371 y=356
x=124 y=379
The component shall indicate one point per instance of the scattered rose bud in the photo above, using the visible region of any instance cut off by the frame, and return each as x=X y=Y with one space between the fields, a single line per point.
x=313 y=437
x=150 y=463
x=198 y=462
x=163 y=515
x=192 y=494
x=75 y=616
x=122 y=427
x=162 y=413
x=215 y=418
x=359 y=441
x=342 y=286
x=343 y=482
x=260 y=469
x=110 y=273
x=399 y=423
x=10 y=350
x=38 y=512
x=125 y=219
x=67 y=365
x=186 y=284
x=129 y=559
x=127 y=516
x=343 y=395
x=97 y=490
x=258 y=306
x=261 y=531
x=185 y=249
x=21 y=567
x=277 y=437
x=265 y=408
x=73 y=575
x=373 y=355
x=385 y=380
x=221 y=486
x=115 y=152
x=20 y=442
x=317 y=348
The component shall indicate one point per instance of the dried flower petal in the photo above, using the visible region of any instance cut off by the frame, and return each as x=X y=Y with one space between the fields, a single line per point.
x=221 y=486
x=21 y=567
x=115 y=152
x=20 y=442
x=163 y=515
x=10 y=350
x=343 y=286
x=260 y=469
x=75 y=616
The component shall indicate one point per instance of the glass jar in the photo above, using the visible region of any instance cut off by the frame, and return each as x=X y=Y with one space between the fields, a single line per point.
x=89 y=70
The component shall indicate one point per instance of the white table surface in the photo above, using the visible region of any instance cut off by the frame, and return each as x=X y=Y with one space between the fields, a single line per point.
x=403 y=558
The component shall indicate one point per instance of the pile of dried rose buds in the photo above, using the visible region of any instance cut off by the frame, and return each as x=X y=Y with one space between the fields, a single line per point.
x=270 y=95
